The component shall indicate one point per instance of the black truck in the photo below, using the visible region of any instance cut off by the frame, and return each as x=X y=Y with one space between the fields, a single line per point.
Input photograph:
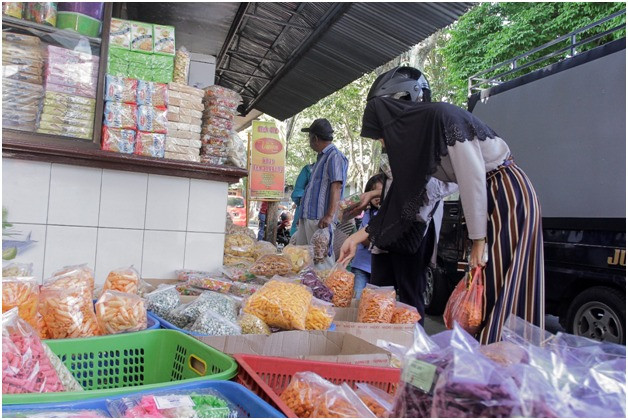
x=566 y=127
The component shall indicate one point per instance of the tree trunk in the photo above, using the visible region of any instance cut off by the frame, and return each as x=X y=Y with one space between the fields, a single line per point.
x=270 y=233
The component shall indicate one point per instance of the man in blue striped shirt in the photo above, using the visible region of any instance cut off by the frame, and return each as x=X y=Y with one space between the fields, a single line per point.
x=325 y=188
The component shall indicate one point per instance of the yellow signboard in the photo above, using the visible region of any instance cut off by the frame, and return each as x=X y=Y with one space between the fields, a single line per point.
x=268 y=162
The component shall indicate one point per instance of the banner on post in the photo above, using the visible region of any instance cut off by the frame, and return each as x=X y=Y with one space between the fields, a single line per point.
x=268 y=162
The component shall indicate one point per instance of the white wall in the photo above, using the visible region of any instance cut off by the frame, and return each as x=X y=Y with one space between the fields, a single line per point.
x=110 y=219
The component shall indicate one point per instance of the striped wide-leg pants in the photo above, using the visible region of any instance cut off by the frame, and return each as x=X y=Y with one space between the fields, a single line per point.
x=514 y=274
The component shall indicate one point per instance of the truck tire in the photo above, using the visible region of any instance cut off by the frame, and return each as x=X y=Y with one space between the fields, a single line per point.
x=435 y=292
x=598 y=313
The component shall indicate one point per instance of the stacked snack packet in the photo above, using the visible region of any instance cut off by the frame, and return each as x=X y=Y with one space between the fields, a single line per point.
x=184 y=122
x=220 y=109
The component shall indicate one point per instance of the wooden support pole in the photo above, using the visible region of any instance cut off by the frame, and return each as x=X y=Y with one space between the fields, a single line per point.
x=271 y=222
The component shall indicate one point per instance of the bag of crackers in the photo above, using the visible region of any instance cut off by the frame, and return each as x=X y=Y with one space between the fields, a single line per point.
x=21 y=293
x=68 y=312
x=377 y=400
x=320 y=315
x=119 y=312
x=341 y=402
x=280 y=305
x=340 y=281
x=125 y=280
x=303 y=393
x=377 y=304
x=271 y=265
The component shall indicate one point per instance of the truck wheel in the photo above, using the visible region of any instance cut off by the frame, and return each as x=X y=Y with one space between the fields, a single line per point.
x=435 y=294
x=598 y=313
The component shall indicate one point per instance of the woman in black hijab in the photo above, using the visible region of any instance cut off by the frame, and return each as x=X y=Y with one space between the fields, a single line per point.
x=440 y=140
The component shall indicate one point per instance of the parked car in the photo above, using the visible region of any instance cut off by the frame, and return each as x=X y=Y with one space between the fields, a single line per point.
x=237 y=209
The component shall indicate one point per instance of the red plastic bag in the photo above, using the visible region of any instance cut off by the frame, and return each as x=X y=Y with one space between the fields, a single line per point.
x=466 y=303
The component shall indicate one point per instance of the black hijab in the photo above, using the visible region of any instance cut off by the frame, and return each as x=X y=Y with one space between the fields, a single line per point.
x=416 y=135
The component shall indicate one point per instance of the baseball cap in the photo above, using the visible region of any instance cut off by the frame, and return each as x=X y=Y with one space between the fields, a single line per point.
x=320 y=127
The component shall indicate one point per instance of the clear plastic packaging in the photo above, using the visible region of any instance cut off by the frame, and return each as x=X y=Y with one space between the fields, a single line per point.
x=233 y=229
x=68 y=312
x=25 y=367
x=263 y=248
x=271 y=265
x=405 y=314
x=118 y=140
x=231 y=260
x=164 y=39
x=377 y=304
x=340 y=282
x=239 y=245
x=341 y=402
x=243 y=289
x=210 y=323
x=125 y=279
x=151 y=93
x=216 y=91
x=186 y=314
x=504 y=353
x=55 y=413
x=303 y=393
x=13 y=9
x=186 y=290
x=152 y=119
x=65 y=376
x=466 y=303
x=163 y=300
x=250 y=324
x=17 y=270
x=377 y=400
x=301 y=256
x=119 y=312
x=73 y=276
x=121 y=89
x=236 y=150
x=310 y=279
x=181 y=66
x=346 y=205
x=239 y=273
x=211 y=282
x=186 y=274
x=281 y=305
x=203 y=402
x=320 y=315
x=150 y=144
x=120 y=115
x=44 y=13
x=21 y=293
x=120 y=33
x=322 y=243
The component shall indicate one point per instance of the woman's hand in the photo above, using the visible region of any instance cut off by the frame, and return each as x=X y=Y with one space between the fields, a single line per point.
x=477 y=253
x=350 y=246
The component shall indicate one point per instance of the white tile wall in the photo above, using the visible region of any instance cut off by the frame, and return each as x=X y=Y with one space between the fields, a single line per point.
x=110 y=219
x=117 y=248
x=167 y=203
x=69 y=245
x=74 y=195
x=208 y=202
x=33 y=253
x=123 y=199
x=201 y=252
x=25 y=188
x=164 y=253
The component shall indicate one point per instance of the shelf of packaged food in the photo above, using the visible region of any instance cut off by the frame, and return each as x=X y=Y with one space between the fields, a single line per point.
x=59 y=149
x=56 y=32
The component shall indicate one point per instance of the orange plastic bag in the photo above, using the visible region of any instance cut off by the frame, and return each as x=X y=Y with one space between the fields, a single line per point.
x=466 y=303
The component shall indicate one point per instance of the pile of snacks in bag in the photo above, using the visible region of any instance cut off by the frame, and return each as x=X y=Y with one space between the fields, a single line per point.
x=320 y=315
x=216 y=135
x=118 y=312
x=21 y=293
x=184 y=116
x=281 y=305
x=377 y=304
x=340 y=282
x=301 y=256
x=310 y=279
x=239 y=248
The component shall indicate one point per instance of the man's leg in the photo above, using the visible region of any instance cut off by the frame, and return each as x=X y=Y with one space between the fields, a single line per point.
x=262 y=227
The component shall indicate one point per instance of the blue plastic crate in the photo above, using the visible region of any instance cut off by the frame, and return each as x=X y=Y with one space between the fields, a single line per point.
x=169 y=326
x=250 y=403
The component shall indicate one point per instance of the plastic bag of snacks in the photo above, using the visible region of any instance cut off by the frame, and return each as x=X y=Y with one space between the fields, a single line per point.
x=216 y=91
x=466 y=303
x=243 y=289
x=238 y=273
x=150 y=144
x=263 y=248
x=377 y=304
x=239 y=245
x=212 y=283
x=341 y=402
x=73 y=276
x=271 y=265
x=162 y=300
x=21 y=293
x=41 y=327
x=321 y=242
x=25 y=367
x=250 y=324
x=119 y=312
x=120 y=115
x=301 y=256
x=232 y=229
x=125 y=280
x=320 y=315
x=203 y=402
x=41 y=12
x=186 y=314
x=280 y=304
x=68 y=312
x=303 y=392
x=323 y=274
x=340 y=282
x=231 y=260
x=310 y=279
x=345 y=206
x=211 y=323
x=118 y=140
x=150 y=93
x=185 y=275
x=377 y=400
x=65 y=376
x=152 y=119
x=13 y=9
x=121 y=89
x=184 y=289
x=181 y=66
x=17 y=270
x=405 y=314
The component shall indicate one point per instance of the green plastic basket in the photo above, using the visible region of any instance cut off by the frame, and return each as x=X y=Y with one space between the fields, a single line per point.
x=123 y=363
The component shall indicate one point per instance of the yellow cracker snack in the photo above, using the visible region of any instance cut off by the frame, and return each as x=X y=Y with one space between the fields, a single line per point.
x=280 y=304
x=320 y=315
x=125 y=280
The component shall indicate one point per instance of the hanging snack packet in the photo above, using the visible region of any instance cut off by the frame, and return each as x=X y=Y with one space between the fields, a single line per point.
x=340 y=282
x=377 y=400
x=320 y=315
x=303 y=392
x=21 y=293
x=281 y=305
x=25 y=367
x=405 y=314
x=341 y=402
x=377 y=304
x=322 y=243
x=119 y=312
x=125 y=280
x=163 y=300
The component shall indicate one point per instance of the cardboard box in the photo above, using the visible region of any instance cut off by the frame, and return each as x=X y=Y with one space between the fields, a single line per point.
x=323 y=346
x=345 y=320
